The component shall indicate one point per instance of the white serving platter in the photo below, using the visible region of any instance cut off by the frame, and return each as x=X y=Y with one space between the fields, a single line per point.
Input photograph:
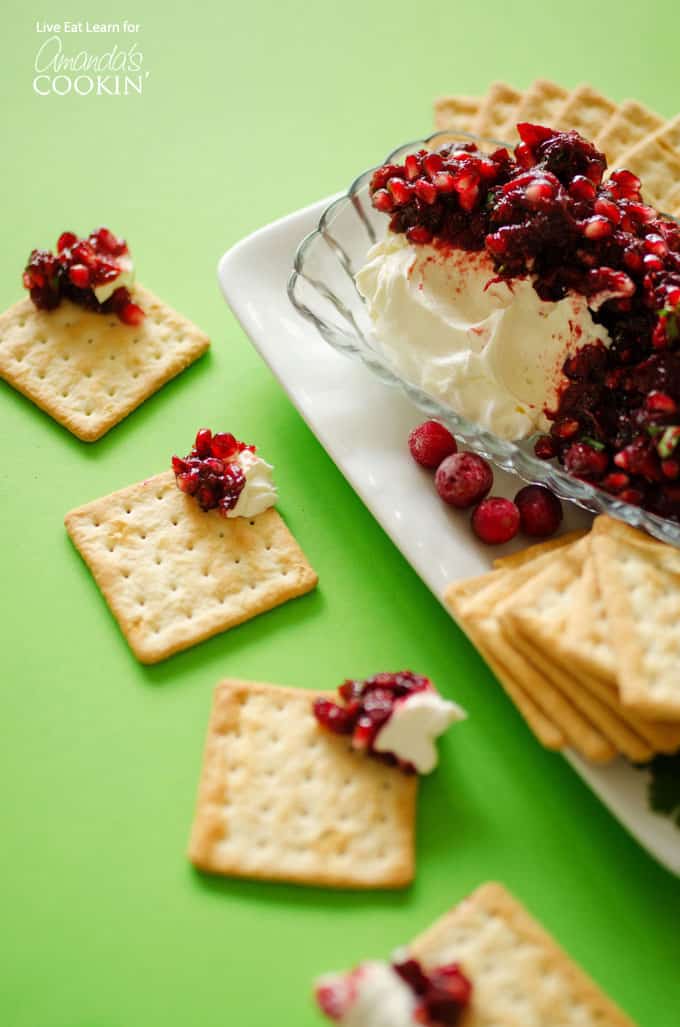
x=363 y=424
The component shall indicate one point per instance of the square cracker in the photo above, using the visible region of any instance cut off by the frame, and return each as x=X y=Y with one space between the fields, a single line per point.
x=586 y=111
x=639 y=579
x=519 y=973
x=456 y=112
x=630 y=123
x=282 y=799
x=656 y=161
x=540 y=103
x=174 y=575
x=496 y=110
x=88 y=370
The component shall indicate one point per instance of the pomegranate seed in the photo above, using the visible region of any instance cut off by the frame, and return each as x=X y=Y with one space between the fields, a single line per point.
x=615 y=481
x=673 y=298
x=532 y=135
x=426 y=191
x=108 y=241
x=670 y=469
x=659 y=336
x=597 y=228
x=627 y=183
x=468 y=198
x=433 y=164
x=495 y=520
x=545 y=447
x=222 y=445
x=419 y=234
x=652 y=263
x=462 y=479
x=383 y=201
x=332 y=716
x=566 y=429
x=540 y=191
x=131 y=314
x=400 y=191
x=632 y=496
x=632 y=259
x=412 y=167
x=583 y=461
x=660 y=403
x=65 y=241
x=641 y=212
x=540 y=511
x=79 y=275
x=430 y=443
x=581 y=188
x=203 y=443
x=607 y=209
x=654 y=243
x=444 y=182
x=189 y=482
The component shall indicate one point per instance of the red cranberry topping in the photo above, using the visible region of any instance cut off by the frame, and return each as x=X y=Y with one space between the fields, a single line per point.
x=78 y=268
x=548 y=212
x=211 y=471
x=443 y=993
x=495 y=520
x=430 y=443
x=365 y=706
x=463 y=479
x=540 y=511
x=440 y=995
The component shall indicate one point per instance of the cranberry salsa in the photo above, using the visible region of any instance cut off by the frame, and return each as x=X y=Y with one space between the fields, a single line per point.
x=79 y=270
x=439 y=996
x=547 y=212
x=372 y=712
x=212 y=472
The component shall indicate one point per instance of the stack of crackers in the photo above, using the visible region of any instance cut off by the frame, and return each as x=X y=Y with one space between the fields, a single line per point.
x=583 y=632
x=628 y=133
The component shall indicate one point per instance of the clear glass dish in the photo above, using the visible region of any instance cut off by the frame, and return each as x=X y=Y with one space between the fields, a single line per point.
x=321 y=288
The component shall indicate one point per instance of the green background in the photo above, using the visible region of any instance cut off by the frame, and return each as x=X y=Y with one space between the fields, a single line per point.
x=250 y=111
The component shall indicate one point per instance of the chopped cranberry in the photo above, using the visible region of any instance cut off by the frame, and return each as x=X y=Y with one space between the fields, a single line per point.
x=462 y=479
x=583 y=461
x=365 y=706
x=495 y=520
x=211 y=471
x=540 y=511
x=545 y=447
x=79 y=267
x=430 y=443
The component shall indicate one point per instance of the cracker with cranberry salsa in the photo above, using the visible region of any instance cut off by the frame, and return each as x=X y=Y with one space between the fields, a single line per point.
x=174 y=574
x=639 y=579
x=519 y=974
x=280 y=799
x=89 y=370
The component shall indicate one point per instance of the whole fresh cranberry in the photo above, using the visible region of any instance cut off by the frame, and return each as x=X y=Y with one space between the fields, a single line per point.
x=495 y=520
x=463 y=479
x=430 y=443
x=540 y=511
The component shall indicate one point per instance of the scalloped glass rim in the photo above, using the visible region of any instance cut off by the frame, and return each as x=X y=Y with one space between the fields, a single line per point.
x=322 y=280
